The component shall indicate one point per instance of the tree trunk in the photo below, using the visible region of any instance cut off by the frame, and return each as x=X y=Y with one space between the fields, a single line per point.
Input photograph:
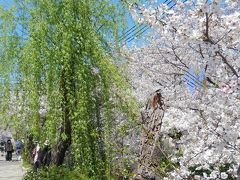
x=66 y=130
x=238 y=173
x=151 y=117
x=62 y=146
x=99 y=124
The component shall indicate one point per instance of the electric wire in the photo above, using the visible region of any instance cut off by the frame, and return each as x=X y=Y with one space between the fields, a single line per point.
x=132 y=31
x=138 y=30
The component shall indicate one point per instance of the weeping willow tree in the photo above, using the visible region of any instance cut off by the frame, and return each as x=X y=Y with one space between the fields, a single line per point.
x=66 y=87
x=9 y=42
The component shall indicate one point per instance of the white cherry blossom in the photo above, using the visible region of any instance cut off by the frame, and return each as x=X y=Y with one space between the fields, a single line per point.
x=205 y=37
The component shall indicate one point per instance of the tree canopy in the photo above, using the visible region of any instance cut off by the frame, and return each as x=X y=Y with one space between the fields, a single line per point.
x=59 y=80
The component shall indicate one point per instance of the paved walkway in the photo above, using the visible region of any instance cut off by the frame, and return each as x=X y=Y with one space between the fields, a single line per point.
x=10 y=170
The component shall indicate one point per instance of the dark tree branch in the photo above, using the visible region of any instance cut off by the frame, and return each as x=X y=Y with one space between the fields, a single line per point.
x=226 y=62
x=200 y=51
x=223 y=36
x=210 y=81
x=178 y=58
x=207 y=26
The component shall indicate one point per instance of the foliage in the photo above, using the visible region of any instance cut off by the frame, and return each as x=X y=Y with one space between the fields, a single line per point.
x=55 y=173
x=166 y=165
x=60 y=82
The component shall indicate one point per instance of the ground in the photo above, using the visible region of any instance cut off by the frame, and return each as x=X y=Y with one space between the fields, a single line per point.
x=10 y=170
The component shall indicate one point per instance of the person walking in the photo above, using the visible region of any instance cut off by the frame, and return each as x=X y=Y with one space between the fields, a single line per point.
x=19 y=146
x=2 y=147
x=46 y=154
x=41 y=156
x=9 y=150
x=36 y=157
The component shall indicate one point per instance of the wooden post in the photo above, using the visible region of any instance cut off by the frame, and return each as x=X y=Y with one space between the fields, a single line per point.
x=151 y=118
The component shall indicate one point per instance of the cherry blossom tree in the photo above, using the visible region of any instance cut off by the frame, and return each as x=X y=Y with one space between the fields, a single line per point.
x=192 y=38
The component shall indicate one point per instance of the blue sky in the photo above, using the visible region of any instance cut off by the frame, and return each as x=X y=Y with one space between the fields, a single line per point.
x=6 y=3
x=130 y=23
x=194 y=80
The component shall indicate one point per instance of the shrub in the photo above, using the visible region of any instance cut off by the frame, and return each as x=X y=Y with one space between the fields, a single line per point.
x=55 y=173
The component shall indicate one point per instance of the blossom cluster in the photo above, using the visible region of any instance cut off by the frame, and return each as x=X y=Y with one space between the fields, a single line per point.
x=200 y=35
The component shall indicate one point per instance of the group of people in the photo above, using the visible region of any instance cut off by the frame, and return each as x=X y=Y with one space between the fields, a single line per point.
x=8 y=148
x=41 y=156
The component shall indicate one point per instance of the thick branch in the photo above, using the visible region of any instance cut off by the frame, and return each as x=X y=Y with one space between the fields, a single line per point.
x=207 y=26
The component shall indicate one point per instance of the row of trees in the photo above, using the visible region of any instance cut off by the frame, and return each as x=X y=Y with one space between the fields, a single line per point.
x=59 y=81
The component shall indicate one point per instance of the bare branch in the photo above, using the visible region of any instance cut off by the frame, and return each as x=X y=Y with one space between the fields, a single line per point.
x=200 y=51
x=223 y=36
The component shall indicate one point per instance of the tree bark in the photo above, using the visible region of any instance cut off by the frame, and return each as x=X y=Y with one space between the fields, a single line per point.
x=65 y=129
x=99 y=124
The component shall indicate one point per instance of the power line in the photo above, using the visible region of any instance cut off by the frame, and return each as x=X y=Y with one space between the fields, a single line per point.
x=131 y=32
x=192 y=79
x=128 y=32
x=137 y=30
x=141 y=31
x=189 y=83
x=190 y=75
